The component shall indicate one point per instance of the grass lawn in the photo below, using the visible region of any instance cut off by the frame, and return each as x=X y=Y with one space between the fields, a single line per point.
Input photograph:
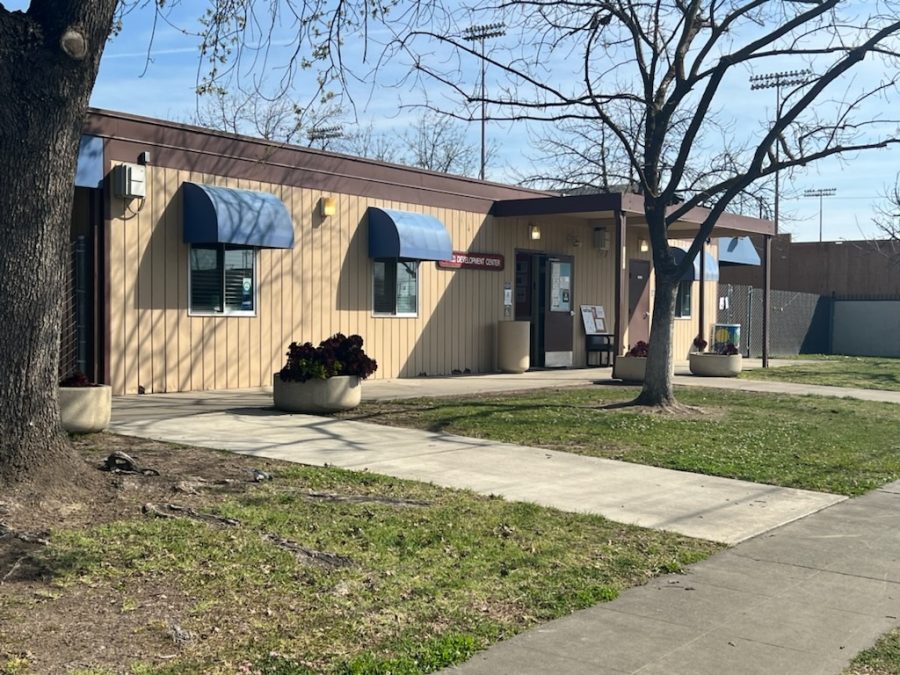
x=882 y=659
x=318 y=570
x=828 y=444
x=863 y=372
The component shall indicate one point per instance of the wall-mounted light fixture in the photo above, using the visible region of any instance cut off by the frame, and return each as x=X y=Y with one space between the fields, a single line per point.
x=574 y=241
x=327 y=206
x=601 y=238
x=644 y=245
x=534 y=232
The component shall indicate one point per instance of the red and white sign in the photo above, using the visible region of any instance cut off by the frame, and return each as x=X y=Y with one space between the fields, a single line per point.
x=473 y=261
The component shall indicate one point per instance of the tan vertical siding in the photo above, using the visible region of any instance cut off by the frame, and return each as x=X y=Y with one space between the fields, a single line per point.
x=321 y=286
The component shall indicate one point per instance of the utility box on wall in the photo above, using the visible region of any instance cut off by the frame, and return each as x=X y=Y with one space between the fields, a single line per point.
x=129 y=181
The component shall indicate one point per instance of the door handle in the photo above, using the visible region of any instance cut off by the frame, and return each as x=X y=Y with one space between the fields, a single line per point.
x=571 y=312
x=646 y=315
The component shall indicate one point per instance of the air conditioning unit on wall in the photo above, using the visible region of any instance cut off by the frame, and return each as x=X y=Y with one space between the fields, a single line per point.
x=129 y=181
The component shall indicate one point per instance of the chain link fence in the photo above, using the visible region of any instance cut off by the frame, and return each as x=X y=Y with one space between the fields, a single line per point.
x=74 y=345
x=800 y=323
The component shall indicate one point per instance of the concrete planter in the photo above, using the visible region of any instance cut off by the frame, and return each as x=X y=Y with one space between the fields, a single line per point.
x=513 y=346
x=630 y=368
x=85 y=410
x=317 y=396
x=715 y=365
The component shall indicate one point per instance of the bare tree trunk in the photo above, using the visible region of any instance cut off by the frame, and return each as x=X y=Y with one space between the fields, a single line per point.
x=657 y=389
x=48 y=63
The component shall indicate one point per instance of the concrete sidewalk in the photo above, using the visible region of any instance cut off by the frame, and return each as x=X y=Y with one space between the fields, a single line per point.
x=719 y=509
x=802 y=599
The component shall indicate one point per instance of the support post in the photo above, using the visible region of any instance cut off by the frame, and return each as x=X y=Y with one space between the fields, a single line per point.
x=767 y=292
x=702 y=313
x=621 y=282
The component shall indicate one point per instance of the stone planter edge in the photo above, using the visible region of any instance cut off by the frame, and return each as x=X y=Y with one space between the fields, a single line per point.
x=85 y=410
x=630 y=368
x=342 y=392
x=704 y=364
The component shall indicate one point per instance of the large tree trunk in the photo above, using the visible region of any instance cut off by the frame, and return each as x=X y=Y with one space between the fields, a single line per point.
x=48 y=63
x=657 y=389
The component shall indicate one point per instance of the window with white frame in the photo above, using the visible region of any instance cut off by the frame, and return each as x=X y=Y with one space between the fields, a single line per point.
x=683 y=299
x=395 y=287
x=222 y=279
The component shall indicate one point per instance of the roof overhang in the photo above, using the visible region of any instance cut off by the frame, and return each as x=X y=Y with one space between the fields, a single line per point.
x=219 y=215
x=604 y=206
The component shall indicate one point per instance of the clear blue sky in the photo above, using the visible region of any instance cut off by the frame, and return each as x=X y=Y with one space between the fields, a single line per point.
x=166 y=90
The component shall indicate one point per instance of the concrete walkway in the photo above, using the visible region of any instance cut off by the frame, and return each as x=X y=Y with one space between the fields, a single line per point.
x=713 y=508
x=804 y=598
x=719 y=509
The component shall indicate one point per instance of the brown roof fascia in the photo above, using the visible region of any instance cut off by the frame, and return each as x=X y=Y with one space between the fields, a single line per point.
x=617 y=201
x=557 y=205
x=190 y=148
x=731 y=221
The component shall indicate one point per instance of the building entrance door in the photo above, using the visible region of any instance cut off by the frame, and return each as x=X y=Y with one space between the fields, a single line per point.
x=544 y=296
x=638 y=301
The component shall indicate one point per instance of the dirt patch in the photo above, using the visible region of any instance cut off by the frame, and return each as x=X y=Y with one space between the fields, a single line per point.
x=181 y=471
x=90 y=626
x=104 y=624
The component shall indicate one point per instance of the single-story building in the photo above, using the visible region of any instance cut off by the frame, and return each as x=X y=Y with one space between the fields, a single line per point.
x=201 y=255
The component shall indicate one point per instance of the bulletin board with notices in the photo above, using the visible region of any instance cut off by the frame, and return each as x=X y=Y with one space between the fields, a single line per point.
x=594 y=319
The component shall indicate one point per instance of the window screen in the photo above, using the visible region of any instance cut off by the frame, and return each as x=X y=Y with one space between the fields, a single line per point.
x=223 y=279
x=683 y=299
x=395 y=286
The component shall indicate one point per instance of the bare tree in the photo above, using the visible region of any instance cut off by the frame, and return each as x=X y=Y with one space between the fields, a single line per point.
x=434 y=142
x=365 y=141
x=437 y=143
x=281 y=119
x=669 y=65
x=578 y=155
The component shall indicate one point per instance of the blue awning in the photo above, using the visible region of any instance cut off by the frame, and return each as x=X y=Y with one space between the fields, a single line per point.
x=218 y=215
x=711 y=267
x=403 y=234
x=89 y=170
x=737 y=251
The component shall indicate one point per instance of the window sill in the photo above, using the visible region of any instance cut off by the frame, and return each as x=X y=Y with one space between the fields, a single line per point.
x=221 y=315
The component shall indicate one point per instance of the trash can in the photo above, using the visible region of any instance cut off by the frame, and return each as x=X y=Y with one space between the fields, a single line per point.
x=723 y=333
x=513 y=346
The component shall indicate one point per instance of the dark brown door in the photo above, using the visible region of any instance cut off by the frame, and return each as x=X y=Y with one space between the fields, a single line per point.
x=558 y=311
x=638 y=301
x=523 y=290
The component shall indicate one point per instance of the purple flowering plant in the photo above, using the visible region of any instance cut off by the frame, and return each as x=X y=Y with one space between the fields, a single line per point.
x=337 y=355
x=641 y=349
x=76 y=379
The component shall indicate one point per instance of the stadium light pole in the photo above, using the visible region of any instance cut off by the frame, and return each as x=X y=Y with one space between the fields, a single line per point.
x=789 y=78
x=480 y=34
x=820 y=193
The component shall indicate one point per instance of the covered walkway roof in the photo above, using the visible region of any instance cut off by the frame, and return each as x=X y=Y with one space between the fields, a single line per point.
x=603 y=206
